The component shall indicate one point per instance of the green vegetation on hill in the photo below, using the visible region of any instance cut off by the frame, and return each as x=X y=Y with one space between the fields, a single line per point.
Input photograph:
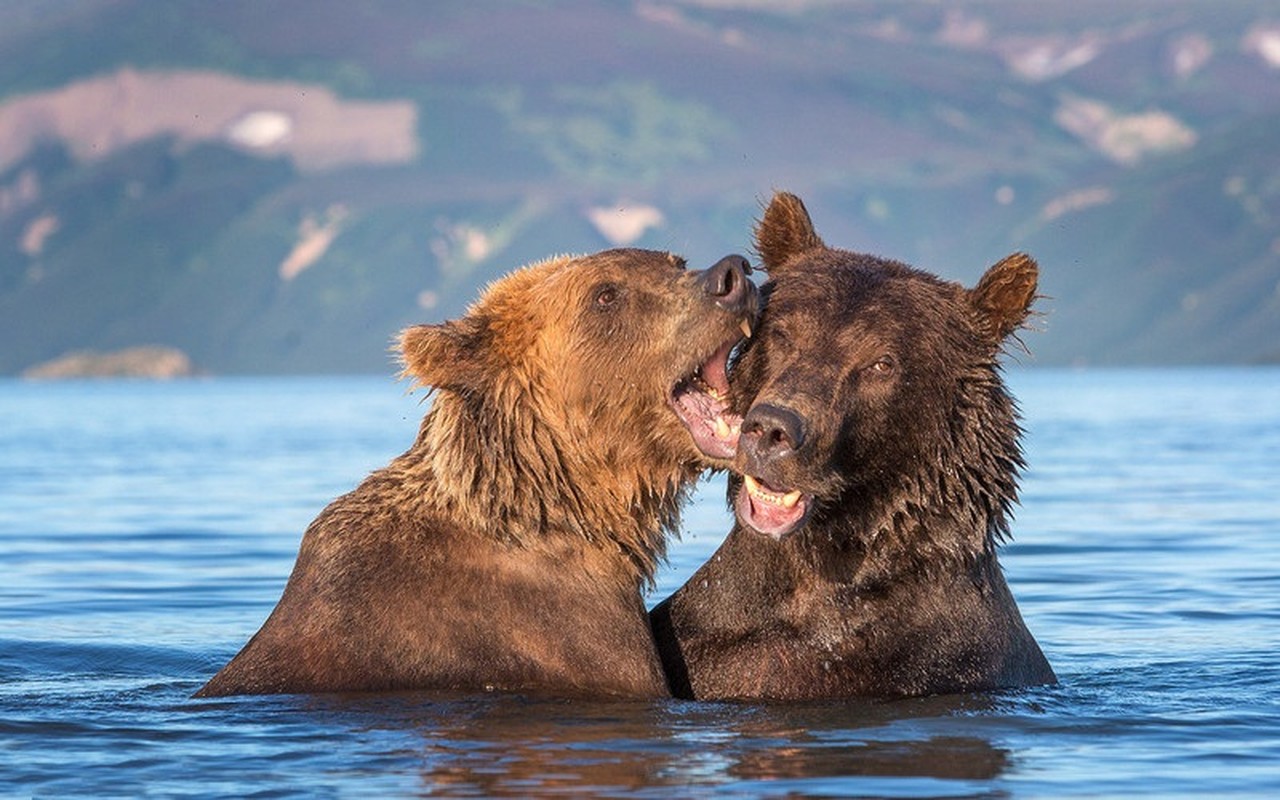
x=934 y=134
x=620 y=133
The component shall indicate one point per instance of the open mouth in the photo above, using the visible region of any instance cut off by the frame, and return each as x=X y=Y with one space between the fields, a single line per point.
x=771 y=511
x=701 y=401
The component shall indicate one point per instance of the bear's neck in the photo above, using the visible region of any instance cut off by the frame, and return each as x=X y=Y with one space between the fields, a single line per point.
x=513 y=477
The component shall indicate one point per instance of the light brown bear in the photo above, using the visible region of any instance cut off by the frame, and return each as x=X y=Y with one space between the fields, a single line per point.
x=575 y=403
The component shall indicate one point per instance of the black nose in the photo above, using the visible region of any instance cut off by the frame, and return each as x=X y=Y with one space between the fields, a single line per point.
x=726 y=281
x=773 y=431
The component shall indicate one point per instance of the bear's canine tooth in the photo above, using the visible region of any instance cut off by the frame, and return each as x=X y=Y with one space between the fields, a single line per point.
x=746 y=327
x=722 y=428
x=790 y=499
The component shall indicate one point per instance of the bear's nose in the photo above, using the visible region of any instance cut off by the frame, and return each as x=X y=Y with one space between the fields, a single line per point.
x=771 y=431
x=726 y=281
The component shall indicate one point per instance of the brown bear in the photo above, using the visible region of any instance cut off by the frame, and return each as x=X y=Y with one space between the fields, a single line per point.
x=874 y=478
x=575 y=403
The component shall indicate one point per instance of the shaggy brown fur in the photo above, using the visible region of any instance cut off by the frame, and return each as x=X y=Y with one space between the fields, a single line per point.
x=506 y=549
x=879 y=465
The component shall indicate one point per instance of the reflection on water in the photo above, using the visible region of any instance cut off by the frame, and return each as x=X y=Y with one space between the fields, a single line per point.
x=146 y=530
x=944 y=758
x=504 y=746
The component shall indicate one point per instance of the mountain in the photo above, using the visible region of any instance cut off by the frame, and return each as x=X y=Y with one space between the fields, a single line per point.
x=279 y=187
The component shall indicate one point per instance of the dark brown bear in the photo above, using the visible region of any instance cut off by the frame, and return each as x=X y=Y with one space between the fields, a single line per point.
x=575 y=403
x=878 y=464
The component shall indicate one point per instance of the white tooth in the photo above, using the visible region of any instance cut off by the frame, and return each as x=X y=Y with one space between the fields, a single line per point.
x=790 y=499
x=722 y=428
x=752 y=486
x=746 y=327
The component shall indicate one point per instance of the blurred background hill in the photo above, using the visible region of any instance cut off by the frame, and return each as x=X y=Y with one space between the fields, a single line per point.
x=279 y=187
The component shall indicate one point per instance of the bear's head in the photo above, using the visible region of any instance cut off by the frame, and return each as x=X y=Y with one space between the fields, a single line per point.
x=581 y=389
x=872 y=395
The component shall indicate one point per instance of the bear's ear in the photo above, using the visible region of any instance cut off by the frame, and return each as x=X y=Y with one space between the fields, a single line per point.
x=444 y=356
x=1002 y=299
x=785 y=231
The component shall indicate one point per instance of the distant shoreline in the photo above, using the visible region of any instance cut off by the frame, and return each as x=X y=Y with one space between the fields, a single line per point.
x=154 y=362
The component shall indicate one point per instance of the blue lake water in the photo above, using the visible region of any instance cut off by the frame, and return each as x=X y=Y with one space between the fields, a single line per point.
x=146 y=530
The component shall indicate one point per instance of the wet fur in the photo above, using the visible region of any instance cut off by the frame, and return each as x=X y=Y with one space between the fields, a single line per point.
x=892 y=587
x=506 y=549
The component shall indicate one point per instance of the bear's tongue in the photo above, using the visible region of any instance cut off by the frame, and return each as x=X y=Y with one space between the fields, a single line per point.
x=770 y=512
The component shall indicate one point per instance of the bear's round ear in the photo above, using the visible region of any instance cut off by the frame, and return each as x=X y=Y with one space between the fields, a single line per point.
x=444 y=356
x=1003 y=297
x=785 y=231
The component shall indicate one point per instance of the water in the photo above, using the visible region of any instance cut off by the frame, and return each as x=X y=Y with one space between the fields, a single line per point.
x=147 y=529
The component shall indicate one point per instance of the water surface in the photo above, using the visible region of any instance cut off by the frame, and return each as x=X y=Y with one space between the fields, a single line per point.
x=147 y=530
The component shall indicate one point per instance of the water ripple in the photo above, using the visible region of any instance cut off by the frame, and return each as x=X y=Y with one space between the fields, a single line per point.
x=146 y=541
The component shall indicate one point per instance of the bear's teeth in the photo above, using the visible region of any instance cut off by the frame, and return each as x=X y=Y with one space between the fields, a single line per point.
x=700 y=383
x=722 y=428
x=746 y=327
x=754 y=488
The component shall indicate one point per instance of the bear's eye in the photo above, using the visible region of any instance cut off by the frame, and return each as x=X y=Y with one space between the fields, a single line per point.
x=882 y=367
x=606 y=296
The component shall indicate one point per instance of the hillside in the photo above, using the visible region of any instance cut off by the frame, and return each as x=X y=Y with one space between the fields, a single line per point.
x=280 y=187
